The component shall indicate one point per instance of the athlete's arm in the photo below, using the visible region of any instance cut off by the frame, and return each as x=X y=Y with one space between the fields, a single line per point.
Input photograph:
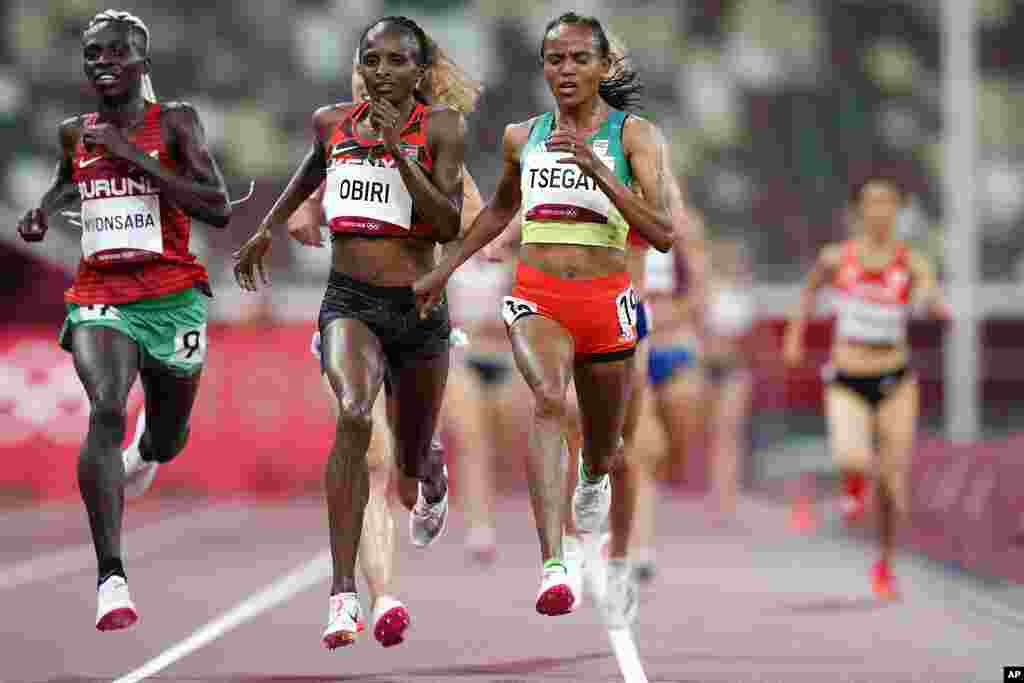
x=927 y=292
x=822 y=272
x=508 y=241
x=488 y=224
x=62 y=191
x=694 y=253
x=198 y=186
x=472 y=203
x=675 y=201
x=437 y=196
x=304 y=224
x=647 y=214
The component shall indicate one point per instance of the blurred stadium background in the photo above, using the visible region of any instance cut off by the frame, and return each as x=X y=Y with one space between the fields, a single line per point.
x=772 y=106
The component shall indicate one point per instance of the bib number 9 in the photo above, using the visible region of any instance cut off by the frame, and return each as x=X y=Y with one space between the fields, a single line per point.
x=190 y=345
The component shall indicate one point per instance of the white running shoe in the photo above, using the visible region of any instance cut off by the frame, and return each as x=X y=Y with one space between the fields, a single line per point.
x=114 y=606
x=390 y=621
x=344 y=621
x=556 y=595
x=622 y=596
x=591 y=502
x=427 y=522
x=575 y=561
x=138 y=473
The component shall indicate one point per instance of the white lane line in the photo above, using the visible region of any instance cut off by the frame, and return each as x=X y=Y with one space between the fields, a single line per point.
x=149 y=538
x=626 y=655
x=298 y=580
x=621 y=639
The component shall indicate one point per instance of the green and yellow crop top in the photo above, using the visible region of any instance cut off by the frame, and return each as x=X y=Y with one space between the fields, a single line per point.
x=561 y=205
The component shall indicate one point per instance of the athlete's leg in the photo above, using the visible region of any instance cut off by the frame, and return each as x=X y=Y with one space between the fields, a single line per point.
x=603 y=391
x=728 y=424
x=377 y=543
x=107 y=362
x=169 y=399
x=571 y=455
x=470 y=416
x=650 y=449
x=544 y=355
x=851 y=428
x=674 y=410
x=897 y=423
x=418 y=392
x=354 y=366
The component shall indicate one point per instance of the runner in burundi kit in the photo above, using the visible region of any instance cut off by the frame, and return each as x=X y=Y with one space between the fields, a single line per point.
x=572 y=313
x=138 y=303
x=449 y=85
x=393 y=171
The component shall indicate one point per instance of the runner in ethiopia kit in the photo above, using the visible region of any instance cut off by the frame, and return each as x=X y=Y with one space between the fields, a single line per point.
x=393 y=170
x=871 y=397
x=376 y=555
x=572 y=313
x=138 y=303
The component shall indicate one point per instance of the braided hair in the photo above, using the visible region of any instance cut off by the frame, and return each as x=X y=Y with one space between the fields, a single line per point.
x=444 y=80
x=621 y=89
x=138 y=34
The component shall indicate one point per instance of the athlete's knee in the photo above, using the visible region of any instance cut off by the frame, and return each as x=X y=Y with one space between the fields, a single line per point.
x=550 y=402
x=164 y=449
x=355 y=416
x=108 y=417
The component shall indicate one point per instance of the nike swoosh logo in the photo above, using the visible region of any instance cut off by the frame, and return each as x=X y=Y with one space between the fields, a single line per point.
x=89 y=162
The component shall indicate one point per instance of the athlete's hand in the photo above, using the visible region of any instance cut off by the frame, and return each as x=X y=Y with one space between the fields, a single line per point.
x=109 y=138
x=33 y=226
x=386 y=119
x=567 y=139
x=428 y=290
x=305 y=232
x=250 y=261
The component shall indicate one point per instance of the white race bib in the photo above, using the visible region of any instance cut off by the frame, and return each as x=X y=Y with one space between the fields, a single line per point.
x=113 y=224
x=513 y=308
x=562 y=191
x=626 y=305
x=190 y=345
x=357 y=191
x=870 y=321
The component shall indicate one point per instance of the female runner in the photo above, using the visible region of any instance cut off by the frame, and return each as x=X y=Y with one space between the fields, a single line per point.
x=572 y=313
x=393 y=166
x=871 y=395
x=449 y=85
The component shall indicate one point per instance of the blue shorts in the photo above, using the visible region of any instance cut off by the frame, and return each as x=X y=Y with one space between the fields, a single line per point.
x=663 y=362
x=643 y=321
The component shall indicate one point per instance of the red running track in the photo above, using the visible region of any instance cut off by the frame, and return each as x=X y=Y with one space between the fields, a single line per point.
x=750 y=603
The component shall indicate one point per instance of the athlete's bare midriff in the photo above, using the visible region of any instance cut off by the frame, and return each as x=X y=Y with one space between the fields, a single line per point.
x=383 y=261
x=572 y=261
x=859 y=359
